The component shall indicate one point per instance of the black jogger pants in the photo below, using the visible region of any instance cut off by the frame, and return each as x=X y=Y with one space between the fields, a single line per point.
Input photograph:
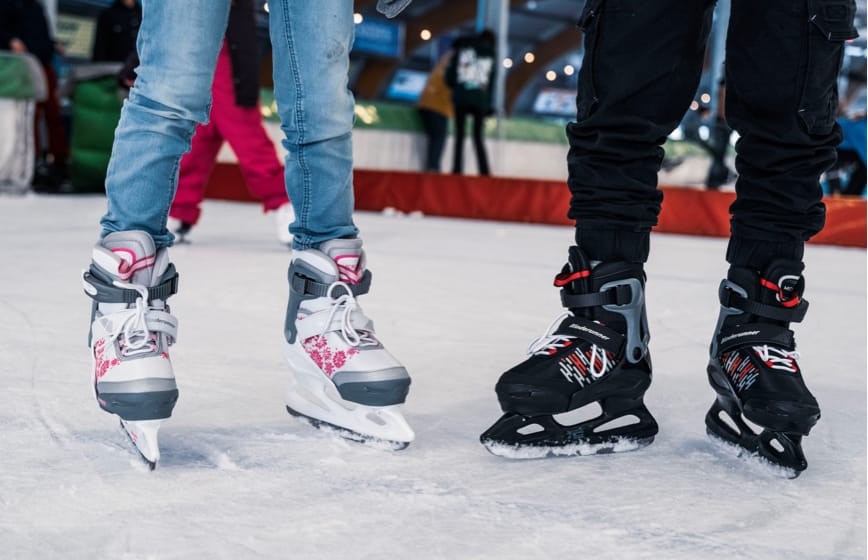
x=642 y=65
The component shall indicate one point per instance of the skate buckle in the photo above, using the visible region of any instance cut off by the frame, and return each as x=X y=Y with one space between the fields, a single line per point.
x=632 y=311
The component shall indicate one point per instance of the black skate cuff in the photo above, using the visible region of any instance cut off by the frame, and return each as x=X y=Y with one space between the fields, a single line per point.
x=104 y=292
x=732 y=299
x=309 y=287
x=755 y=334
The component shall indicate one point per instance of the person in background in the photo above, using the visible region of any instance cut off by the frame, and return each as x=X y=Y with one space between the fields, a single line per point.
x=24 y=28
x=471 y=75
x=116 y=31
x=435 y=110
x=235 y=118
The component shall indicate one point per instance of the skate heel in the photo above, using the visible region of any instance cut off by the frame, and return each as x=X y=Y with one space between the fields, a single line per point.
x=131 y=403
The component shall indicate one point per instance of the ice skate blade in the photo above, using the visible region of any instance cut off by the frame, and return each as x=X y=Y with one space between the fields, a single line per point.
x=376 y=443
x=752 y=458
x=143 y=435
x=578 y=449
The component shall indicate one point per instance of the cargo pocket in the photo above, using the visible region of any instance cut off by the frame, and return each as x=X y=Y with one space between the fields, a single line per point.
x=589 y=23
x=830 y=23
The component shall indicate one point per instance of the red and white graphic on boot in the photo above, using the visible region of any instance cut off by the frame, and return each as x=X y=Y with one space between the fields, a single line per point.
x=327 y=359
x=349 y=268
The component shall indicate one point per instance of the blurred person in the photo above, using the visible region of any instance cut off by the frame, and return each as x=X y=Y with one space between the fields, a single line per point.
x=471 y=74
x=116 y=30
x=343 y=377
x=642 y=65
x=235 y=118
x=435 y=110
x=848 y=176
x=24 y=28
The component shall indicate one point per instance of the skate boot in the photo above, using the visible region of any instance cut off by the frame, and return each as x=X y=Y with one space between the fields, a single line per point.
x=343 y=378
x=130 y=334
x=753 y=366
x=596 y=352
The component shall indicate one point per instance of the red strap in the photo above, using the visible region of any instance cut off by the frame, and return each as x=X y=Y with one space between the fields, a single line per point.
x=562 y=279
x=774 y=287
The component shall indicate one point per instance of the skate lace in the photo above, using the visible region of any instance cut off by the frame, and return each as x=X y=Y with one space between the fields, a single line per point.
x=550 y=342
x=132 y=324
x=777 y=358
x=346 y=305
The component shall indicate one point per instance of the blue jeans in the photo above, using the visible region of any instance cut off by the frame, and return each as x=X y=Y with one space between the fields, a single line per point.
x=178 y=45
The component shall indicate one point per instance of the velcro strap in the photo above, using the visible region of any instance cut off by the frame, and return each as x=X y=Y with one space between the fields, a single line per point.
x=105 y=292
x=160 y=321
x=754 y=334
x=315 y=323
x=592 y=332
x=310 y=287
x=731 y=298
x=621 y=294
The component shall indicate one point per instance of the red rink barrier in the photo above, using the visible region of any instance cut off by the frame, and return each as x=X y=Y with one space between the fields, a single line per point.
x=685 y=210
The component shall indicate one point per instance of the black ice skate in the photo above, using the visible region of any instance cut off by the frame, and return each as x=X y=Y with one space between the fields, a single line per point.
x=596 y=352
x=753 y=366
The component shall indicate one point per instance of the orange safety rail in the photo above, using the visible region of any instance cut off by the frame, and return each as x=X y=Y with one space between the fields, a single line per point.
x=685 y=210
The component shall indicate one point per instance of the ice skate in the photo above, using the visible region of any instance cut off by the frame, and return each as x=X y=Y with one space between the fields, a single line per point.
x=131 y=331
x=754 y=370
x=595 y=352
x=343 y=378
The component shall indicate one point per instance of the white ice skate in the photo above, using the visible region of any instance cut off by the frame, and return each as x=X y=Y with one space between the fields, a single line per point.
x=283 y=217
x=131 y=331
x=343 y=378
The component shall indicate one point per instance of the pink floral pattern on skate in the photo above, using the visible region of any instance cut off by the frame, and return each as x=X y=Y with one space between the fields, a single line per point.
x=101 y=363
x=325 y=357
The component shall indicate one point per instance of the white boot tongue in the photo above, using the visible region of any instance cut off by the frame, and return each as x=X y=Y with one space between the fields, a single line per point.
x=347 y=255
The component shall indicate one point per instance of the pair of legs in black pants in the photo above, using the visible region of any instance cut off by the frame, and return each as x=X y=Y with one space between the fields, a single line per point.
x=642 y=65
x=461 y=114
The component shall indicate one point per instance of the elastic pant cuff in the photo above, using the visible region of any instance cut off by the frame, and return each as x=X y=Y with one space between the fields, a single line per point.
x=608 y=245
x=757 y=253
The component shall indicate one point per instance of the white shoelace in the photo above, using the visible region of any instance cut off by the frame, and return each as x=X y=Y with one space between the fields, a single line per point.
x=549 y=341
x=777 y=358
x=133 y=324
x=346 y=304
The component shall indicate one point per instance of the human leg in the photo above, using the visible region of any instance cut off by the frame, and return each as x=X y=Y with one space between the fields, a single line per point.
x=196 y=167
x=787 y=139
x=479 y=143
x=640 y=71
x=130 y=276
x=343 y=376
x=458 y=148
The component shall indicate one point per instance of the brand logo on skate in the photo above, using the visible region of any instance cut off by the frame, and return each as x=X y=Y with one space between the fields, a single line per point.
x=737 y=335
x=588 y=330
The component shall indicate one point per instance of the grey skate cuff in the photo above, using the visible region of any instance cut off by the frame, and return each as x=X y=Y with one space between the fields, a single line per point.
x=755 y=334
x=309 y=287
x=105 y=292
x=729 y=298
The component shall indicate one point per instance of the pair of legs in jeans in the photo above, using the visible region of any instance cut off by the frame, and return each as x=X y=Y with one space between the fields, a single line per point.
x=641 y=68
x=343 y=377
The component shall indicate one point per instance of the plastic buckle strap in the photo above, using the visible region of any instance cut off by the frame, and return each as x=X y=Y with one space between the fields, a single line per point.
x=104 y=292
x=617 y=295
x=309 y=287
x=734 y=300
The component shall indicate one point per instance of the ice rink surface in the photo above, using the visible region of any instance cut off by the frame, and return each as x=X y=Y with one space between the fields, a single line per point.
x=457 y=302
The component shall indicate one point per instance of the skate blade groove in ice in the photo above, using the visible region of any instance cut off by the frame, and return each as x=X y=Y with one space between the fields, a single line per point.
x=370 y=441
x=143 y=436
x=752 y=458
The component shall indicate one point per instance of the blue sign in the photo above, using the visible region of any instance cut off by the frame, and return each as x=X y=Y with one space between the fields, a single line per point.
x=381 y=38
